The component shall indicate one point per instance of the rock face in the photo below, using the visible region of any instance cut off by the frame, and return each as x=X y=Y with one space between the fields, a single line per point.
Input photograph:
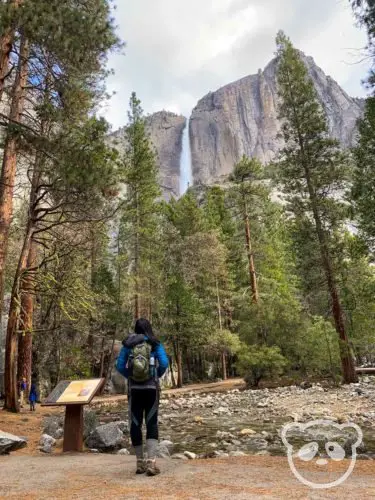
x=241 y=119
x=166 y=131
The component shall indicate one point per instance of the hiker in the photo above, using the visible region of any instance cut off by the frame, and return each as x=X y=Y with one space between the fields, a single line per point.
x=32 y=396
x=23 y=389
x=143 y=361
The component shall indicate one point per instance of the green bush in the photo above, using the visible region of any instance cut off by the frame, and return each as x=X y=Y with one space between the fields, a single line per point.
x=258 y=362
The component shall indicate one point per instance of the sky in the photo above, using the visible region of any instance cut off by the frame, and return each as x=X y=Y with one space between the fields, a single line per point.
x=177 y=51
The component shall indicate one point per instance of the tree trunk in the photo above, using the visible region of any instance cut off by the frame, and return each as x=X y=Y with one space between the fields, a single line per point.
x=11 y=347
x=102 y=359
x=170 y=364
x=224 y=366
x=179 y=368
x=347 y=362
x=25 y=347
x=136 y=264
x=178 y=358
x=9 y=165
x=6 y=44
x=250 y=257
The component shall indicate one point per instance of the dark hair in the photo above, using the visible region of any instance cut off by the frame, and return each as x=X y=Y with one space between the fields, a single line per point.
x=143 y=327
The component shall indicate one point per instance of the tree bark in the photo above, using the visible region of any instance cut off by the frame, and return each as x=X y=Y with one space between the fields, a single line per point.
x=11 y=349
x=25 y=347
x=171 y=370
x=9 y=164
x=224 y=366
x=178 y=358
x=250 y=257
x=6 y=44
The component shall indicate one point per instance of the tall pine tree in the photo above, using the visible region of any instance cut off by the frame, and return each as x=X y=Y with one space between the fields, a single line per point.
x=312 y=172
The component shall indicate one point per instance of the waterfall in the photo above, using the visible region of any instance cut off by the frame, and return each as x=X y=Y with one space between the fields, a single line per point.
x=185 y=161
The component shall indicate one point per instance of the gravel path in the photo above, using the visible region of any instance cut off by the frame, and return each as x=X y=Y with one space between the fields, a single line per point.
x=110 y=476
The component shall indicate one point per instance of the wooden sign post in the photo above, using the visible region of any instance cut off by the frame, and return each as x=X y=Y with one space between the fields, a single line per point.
x=73 y=395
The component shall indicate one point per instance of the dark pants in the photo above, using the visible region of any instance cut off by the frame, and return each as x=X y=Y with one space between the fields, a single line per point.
x=143 y=402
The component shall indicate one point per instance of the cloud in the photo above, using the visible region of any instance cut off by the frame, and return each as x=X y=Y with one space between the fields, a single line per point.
x=176 y=52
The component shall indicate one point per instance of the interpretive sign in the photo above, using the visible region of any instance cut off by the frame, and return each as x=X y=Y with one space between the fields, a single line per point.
x=74 y=395
x=73 y=392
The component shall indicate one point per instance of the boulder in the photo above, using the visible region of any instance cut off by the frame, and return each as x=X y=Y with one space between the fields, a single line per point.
x=123 y=451
x=90 y=422
x=179 y=456
x=9 y=442
x=54 y=426
x=46 y=443
x=106 y=437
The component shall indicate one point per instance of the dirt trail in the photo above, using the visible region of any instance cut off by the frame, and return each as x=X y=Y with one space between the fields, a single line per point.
x=93 y=476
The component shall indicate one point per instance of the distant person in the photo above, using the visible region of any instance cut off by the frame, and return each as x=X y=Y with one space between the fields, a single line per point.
x=143 y=361
x=23 y=390
x=33 y=396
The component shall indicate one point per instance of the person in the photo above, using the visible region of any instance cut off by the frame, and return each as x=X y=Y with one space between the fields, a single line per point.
x=23 y=389
x=143 y=361
x=32 y=396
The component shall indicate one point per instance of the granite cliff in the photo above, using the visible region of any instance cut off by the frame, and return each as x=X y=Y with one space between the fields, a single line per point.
x=166 y=131
x=241 y=119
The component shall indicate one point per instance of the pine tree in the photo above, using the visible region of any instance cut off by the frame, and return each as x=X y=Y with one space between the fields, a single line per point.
x=247 y=176
x=312 y=171
x=363 y=191
x=139 y=219
x=73 y=65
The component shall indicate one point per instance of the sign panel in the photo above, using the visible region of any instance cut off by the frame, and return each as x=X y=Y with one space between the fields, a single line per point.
x=74 y=392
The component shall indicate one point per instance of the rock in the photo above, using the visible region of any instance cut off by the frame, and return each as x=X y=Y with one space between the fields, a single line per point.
x=247 y=432
x=106 y=437
x=263 y=453
x=237 y=454
x=164 y=449
x=9 y=443
x=166 y=134
x=241 y=119
x=190 y=455
x=258 y=443
x=306 y=385
x=179 y=456
x=123 y=451
x=46 y=443
x=198 y=419
x=54 y=426
x=59 y=433
x=90 y=422
x=166 y=443
x=262 y=404
x=224 y=435
x=93 y=450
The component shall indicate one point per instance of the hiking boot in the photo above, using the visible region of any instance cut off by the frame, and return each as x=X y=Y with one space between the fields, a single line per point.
x=141 y=466
x=151 y=469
